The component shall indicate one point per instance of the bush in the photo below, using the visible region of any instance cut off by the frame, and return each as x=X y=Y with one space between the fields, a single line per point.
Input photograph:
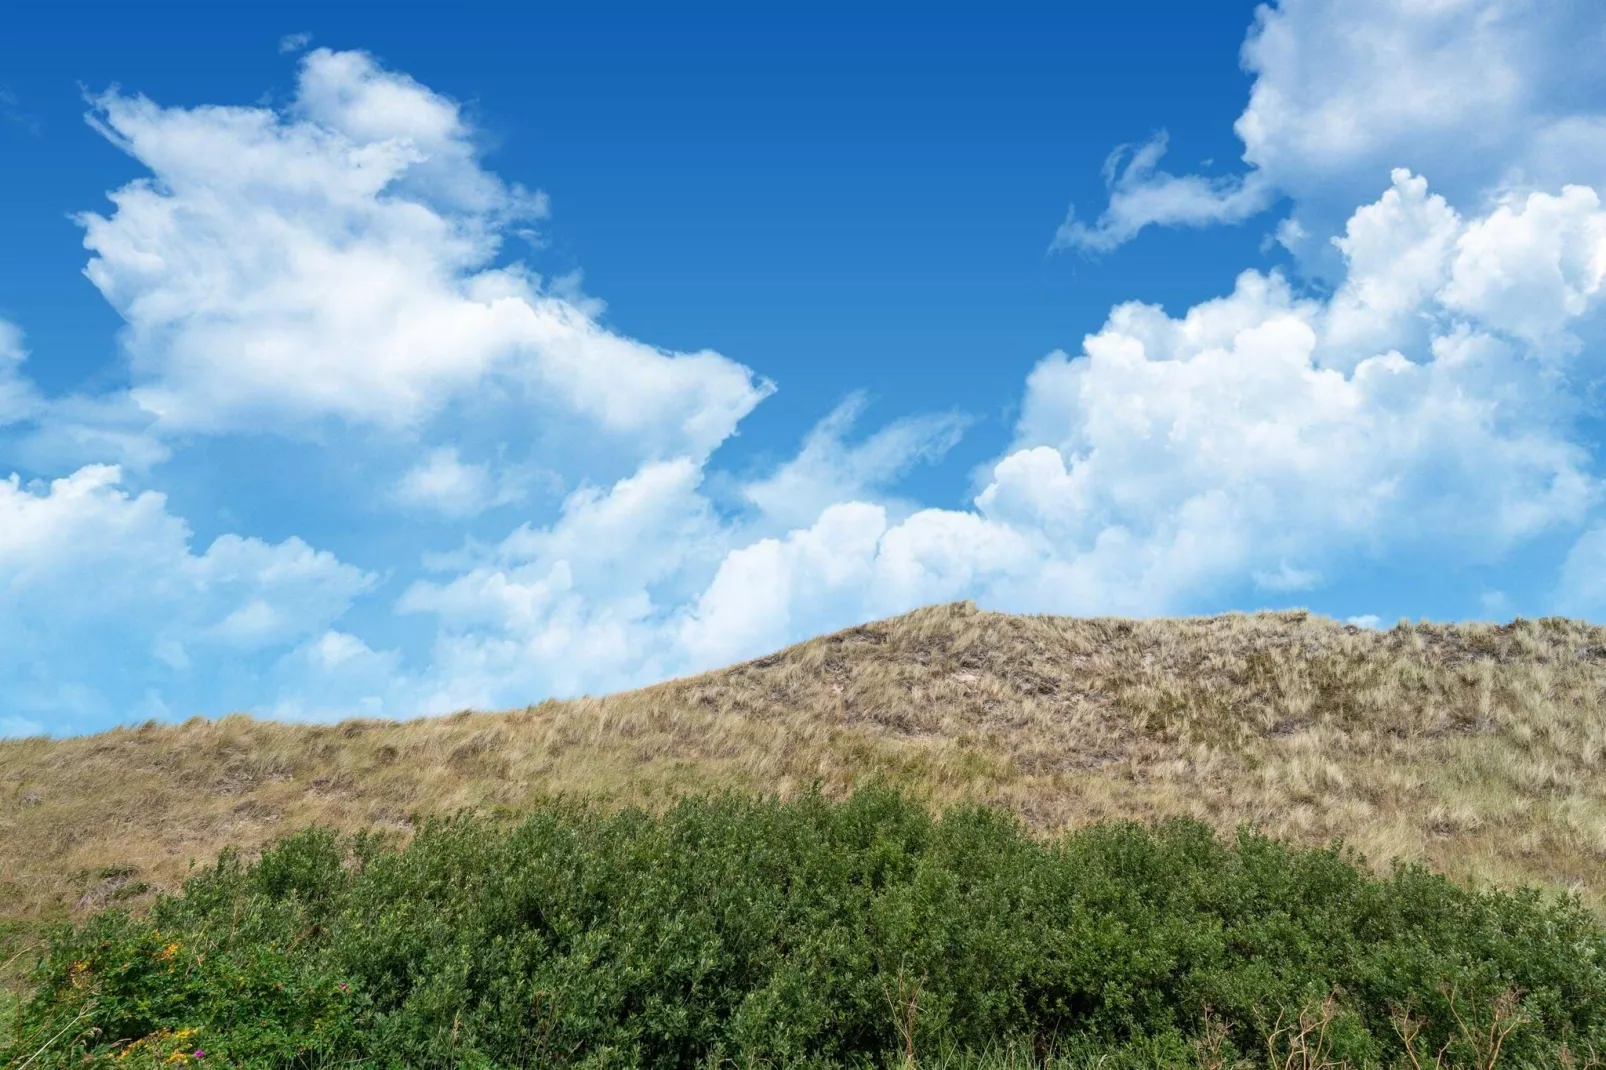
x=758 y=932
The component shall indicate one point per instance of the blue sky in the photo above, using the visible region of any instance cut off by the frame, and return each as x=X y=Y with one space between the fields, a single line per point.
x=394 y=360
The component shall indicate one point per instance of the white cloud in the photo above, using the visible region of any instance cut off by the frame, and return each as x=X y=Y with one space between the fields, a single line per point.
x=1474 y=93
x=334 y=260
x=337 y=261
x=1230 y=412
x=1141 y=195
x=442 y=483
x=20 y=728
x=571 y=606
x=1287 y=578
x=18 y=399
x=776 y=589
x=851 y=564
x=1338 y=84
x=1534 y=266
x=337 y=675
x=66 y=432
x=1582 y=587
x=1397 y=251
x=1495 y=604
x=645 y=578
x=1260 y=440
x=287 y=590
x=827 y=469
x=97 y=583
x=1369 y=621
x=294 y=42
x=1180 y=457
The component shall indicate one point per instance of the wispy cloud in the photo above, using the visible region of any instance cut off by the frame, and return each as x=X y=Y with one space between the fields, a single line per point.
x=12 y=111
x=1141 y=195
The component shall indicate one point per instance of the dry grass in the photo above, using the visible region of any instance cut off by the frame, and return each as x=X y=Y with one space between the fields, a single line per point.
x=1478 y=749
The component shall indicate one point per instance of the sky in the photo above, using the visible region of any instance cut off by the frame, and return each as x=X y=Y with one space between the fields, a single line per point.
x=390 y=360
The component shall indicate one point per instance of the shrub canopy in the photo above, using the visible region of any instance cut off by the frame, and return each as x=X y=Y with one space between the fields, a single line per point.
x=754 y=931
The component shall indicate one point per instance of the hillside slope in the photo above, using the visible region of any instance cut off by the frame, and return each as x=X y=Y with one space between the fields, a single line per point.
x=1479 y=749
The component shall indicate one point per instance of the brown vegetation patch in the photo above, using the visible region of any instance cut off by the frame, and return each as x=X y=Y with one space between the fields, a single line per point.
x=1480 y=749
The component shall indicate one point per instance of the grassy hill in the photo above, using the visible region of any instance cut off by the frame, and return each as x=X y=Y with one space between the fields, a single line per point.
x=1478 y=749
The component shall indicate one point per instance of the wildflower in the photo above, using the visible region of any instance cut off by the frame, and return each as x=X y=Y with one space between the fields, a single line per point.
x=342 y=986
x=200 y=1053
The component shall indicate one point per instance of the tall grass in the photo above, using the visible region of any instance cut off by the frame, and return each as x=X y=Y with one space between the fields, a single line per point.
x=736 y=931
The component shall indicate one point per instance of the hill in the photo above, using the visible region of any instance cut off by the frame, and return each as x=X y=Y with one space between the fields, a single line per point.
x=1479 y=749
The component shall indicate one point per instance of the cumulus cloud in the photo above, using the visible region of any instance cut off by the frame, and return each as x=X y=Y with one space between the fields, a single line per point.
x=1344 y=92
x=1267 y=401
x=1179 y=457
x=98 y=582
x=646 y=578
x=571 y=606
x=1533 y=267
x=1231 y=399
x=340 y=261
x=766 y=593
x=336 y=675
x=1397 y=253
x=335 y=260
x=1264 y=440
x=854 y=564
x=443 y=483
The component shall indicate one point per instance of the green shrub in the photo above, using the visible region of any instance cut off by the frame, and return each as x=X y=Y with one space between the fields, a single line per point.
x=758 y=932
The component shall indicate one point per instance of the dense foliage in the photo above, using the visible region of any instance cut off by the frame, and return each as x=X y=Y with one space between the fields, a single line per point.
x=757 y=932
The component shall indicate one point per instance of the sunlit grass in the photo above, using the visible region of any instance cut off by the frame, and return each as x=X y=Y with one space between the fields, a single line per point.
x=1480 y=750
